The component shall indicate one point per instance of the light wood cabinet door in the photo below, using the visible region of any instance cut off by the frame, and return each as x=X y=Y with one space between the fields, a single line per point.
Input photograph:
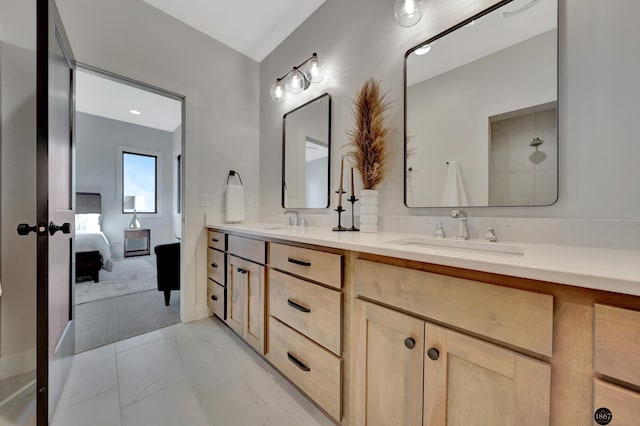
x=387 y=352
x=235 y=279
x=254 y=300
x=468 y=381
x=246 y=301
x=623 y=405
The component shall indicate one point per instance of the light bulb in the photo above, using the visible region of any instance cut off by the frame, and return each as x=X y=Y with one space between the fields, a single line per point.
x=408 y=12
x=277 y=91
x=314 y=72
x=296 y=82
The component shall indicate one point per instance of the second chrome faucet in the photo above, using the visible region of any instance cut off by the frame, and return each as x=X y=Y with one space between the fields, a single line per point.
x=463 y=229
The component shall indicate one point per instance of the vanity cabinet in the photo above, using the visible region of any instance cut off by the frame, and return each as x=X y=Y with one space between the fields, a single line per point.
x=216 y=273
x=408 y=370
x=305 y=321
x=617 y=357
x=246 y=290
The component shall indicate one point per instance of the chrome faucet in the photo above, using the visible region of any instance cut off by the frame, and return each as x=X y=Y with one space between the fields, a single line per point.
x=292 y=221
x=463 y=229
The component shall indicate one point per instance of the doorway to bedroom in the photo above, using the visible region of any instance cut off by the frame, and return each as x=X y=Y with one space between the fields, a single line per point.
x=129 y=174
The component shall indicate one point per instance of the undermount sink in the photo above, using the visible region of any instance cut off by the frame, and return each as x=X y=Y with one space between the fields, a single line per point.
x=463 y=246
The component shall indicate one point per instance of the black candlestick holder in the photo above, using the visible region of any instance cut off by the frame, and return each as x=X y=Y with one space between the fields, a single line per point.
x=340 y=210
x=352 y=200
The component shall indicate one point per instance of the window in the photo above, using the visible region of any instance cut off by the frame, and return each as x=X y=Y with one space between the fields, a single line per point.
x=139 y=183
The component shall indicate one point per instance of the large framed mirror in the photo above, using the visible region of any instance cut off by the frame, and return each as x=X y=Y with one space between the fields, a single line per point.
x=306 y=154
x=481 y=102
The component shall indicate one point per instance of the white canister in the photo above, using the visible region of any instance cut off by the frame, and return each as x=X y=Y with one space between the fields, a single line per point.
x=369 y=210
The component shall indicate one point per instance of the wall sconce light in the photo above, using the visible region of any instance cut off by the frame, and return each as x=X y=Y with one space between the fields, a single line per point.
x=408 y=12
x=298 y=79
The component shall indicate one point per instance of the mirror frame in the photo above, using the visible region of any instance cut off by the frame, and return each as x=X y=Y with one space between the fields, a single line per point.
x=284 y=148
x=444 y=33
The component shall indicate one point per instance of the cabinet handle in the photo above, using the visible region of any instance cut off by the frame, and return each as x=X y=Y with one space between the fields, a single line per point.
x=214 y=297
x=433 y=354
x=214 y=265
x=410 y=342
x=297 y=362
x=298 y=262
x=215 y=240
x=301 y=308
x=242 y=271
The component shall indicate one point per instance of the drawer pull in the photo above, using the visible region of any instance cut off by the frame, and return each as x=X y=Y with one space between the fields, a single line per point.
x=214 y=297
x=433 y=354
x=298 y=262
x=301 y=308
x=214 y=265
x=242 y=271
x=410 y=343
x=215 y=240
x=297 y=362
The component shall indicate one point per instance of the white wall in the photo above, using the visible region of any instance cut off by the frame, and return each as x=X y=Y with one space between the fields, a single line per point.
x=98 y=170
x=133 y=39
x=176 y=225
x=598 y=67
x=18 y=178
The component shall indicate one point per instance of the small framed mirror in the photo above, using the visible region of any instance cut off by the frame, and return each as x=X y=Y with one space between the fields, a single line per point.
x=481 y=110
x=306 y=154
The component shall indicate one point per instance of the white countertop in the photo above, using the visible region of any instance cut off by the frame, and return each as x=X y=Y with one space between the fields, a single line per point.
x=601 y=269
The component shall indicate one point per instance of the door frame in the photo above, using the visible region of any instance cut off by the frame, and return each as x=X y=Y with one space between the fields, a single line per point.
x=183 y=157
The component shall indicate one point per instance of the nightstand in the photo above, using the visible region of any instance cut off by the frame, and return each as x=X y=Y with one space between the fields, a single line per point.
x=137 y=242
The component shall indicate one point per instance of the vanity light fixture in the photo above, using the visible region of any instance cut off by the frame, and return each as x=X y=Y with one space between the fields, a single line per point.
x=135 y=112
x=298 y=79
x=408 y=12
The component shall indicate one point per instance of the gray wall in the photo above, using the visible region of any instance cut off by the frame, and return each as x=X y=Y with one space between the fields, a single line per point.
x=98 y=169
x=598 y=68
x=133 y=39
x=18 y=167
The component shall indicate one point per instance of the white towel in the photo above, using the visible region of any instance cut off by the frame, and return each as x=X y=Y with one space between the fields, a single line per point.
x=234 y=204
x=453 y=194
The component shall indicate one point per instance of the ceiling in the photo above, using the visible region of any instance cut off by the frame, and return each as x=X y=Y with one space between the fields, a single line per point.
x=105 y=97
x=252 y=27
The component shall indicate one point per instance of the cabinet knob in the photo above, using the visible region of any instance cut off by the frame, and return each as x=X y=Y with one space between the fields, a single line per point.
x=214 y=265
x=214 y=297
x=433 y=354
x=410 y=342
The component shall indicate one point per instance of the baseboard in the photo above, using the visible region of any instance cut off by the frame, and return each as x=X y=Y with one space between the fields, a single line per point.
x=17 y=364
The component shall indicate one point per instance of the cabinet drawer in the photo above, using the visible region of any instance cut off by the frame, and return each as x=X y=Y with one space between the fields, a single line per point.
x=309 y=308
x=316 y=265
x=314 y=369
x=617 y=343
x=623 y=403
x=215 y=266
x=216 y=298
x=517 y=317
x=247 y=248
x=217 y=240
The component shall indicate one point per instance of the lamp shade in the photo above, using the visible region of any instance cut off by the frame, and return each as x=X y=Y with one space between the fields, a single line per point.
x=408 y=12
x=277 y=91
x=296 y=82
x=314 y=70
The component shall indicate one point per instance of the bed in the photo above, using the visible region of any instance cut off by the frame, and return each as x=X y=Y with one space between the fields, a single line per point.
x=93 y=251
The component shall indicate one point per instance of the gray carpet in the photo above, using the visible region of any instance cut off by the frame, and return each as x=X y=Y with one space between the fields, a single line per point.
x=106 y=321
x=128 y=276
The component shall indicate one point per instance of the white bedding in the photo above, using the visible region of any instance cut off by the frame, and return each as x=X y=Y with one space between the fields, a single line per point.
x=95 y=241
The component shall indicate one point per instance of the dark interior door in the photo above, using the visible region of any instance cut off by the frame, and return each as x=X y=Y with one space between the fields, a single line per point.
x=54 y=187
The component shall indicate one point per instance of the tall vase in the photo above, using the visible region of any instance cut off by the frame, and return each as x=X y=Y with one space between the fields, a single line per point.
x=369 y=210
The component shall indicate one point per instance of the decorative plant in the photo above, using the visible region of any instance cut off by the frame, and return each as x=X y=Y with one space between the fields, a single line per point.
x=368 y=141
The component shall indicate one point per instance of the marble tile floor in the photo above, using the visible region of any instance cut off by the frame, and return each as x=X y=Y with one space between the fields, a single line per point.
x=193 y=374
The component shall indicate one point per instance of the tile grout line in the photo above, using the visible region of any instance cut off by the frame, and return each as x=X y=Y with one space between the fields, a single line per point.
x=115 y=360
